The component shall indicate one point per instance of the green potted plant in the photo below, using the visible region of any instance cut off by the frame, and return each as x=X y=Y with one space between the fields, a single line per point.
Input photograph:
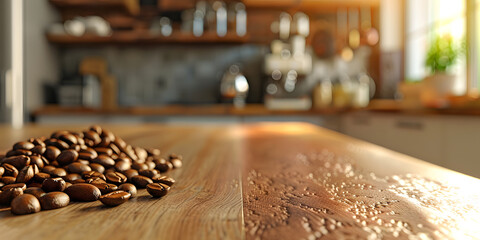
x=443 y=53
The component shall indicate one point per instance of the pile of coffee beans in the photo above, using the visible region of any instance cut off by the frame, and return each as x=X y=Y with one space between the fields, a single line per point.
x=48 y=173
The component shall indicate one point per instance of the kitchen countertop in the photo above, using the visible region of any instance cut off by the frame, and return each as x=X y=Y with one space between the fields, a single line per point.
x=267 y=181
x=377 y=106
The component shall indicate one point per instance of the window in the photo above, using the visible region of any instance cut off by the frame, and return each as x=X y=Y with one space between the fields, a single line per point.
x=477 y=42
x=425 y=20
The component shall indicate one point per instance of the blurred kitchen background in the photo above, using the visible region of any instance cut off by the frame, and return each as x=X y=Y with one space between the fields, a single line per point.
x=399 y=73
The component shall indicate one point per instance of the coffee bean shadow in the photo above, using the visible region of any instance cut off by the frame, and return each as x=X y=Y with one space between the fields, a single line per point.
x=5 y=212
x=144 y=198
x=95 y=208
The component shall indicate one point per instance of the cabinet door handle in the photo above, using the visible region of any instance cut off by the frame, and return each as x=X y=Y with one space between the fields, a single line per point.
x=412 y=125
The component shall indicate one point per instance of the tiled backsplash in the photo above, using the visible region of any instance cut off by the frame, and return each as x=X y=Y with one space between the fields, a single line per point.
x=153 y=75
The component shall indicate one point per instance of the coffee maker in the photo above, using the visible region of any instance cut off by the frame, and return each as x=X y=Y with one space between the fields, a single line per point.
x=288 y=64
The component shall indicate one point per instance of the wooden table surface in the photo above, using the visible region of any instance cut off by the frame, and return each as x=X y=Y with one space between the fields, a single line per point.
x=267 y=181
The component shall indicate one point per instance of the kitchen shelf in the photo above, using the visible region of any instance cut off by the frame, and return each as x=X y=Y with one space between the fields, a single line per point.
x=309 y=5
x=377 y=106
x=130 y=6
x=144 y=37
x=182 y=110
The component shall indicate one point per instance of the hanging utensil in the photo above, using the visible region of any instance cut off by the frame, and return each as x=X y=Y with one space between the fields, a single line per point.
x=353 y=34
x=342 y=29
x=370 y=34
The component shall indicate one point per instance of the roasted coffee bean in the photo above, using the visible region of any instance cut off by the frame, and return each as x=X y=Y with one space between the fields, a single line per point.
x=78 y=167
x=67 y=184
x=107 y=135
x=115 y=198
x=40 y=150
x=10 y=170
x=141 y=153
x=130 y=188
x=35 y=169
x=174 y=156
x=177 y=163
x=72 y=177
x=7 y=196
x=25 y=204
x=51 y=153
x=23 y=145
x=83 y=192
x=105 y=161
x=86 y=162
x=59 y=172
x=80 y=180
x=23 y=186
x=75 y=147
x=105 y=187
x=131 y=154
x=157 y=189
x=67 y=156
x=37 y=160
x=18 y=152
x=110 y=170
x=89 y=143
x=17 y=161
x=139 y=166
x=141 y=181
x=57 y=134
x=86 y=155
x=164 y=179
x=2 y=171
x=122 y=166
x=54 y=200
x=61 y=145
x=115 y=149
x=53 y=185
x=95 y=180
x=93 y=137
x=8 y=180
x=69 y=138
x=48 y=169
x=93 y=174
x=104 y=151
x=96 y=128
x=55 y=164
x=153 y=152
x=79 y=137
x=163 y=165
x=149 y=173
x=97 y=167
x=104 y=143
x=37 y=142
x=151 y=165
x=120 y=143
x=35 y=191
x=25 y=174
x=116 y=177
x=2 y=184
x=130 y=173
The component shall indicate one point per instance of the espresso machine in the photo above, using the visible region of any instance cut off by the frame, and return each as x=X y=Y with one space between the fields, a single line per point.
x=288 y=64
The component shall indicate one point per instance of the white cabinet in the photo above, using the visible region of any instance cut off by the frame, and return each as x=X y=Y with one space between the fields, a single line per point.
x=449 y=141
x=462 y=144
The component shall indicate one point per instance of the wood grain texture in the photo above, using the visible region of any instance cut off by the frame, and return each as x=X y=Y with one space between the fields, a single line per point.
x=268 y=181
x=302 y=182
x=205 y=202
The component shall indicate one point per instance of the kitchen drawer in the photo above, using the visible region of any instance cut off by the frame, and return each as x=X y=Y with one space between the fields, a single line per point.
x=417 y=136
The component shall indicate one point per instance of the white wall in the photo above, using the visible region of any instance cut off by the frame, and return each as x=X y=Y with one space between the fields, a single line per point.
x=41 y=59
x=391 y=25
